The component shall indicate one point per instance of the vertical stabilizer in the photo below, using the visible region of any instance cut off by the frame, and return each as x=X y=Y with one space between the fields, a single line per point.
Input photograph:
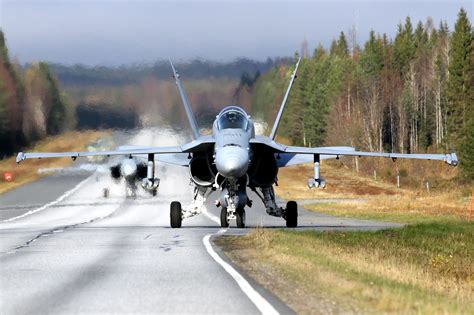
x=187 y=106
x=283 y=103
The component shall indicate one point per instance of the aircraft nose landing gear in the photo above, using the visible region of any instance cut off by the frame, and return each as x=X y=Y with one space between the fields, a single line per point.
x=240 y=218
x=224 y=218
x=238 y=215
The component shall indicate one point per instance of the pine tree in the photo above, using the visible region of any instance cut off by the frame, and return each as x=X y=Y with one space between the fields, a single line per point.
x=372 y=57
x=466 y=149
x=458 y=85
x=56 y=114
x=404 y=47
x=420 y=36
x=342 y=47
x=466 y=152
x=5 y=130
x=319 y=52
x=12 y=94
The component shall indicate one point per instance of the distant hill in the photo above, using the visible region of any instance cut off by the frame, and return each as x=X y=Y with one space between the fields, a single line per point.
x=80 y=75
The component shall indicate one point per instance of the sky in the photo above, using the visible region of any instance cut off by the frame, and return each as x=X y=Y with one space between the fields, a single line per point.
x=116 y=32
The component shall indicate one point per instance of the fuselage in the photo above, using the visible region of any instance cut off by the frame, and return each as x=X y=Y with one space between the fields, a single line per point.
x=232 y=131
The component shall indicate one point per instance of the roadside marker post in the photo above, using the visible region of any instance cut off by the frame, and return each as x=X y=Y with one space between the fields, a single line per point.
x=7 y=176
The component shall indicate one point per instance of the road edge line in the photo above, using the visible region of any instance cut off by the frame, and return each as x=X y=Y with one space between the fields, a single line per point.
x=258 y=300
x=211 y=216
x=52 y=203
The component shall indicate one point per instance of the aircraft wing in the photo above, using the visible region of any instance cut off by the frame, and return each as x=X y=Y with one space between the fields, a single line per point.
x=449 y=158
x=282 y=150
x=288 y=159
x=180 y=159
x=195 y=146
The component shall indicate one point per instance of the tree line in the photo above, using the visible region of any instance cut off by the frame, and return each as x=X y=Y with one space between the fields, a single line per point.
x=413 y=93
x=31 y=104
x=81 y=75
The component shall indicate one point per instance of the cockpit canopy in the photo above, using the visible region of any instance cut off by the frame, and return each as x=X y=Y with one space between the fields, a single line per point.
x=232 y=117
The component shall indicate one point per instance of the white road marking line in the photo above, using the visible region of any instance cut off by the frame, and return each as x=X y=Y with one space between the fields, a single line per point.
x=60 y=230
x=210 y=215
x=263 y=305
x=52 y=203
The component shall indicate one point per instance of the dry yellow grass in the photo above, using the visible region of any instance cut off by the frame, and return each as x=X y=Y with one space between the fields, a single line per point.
x=409 y=208
x=340 y=180
x=28 y=170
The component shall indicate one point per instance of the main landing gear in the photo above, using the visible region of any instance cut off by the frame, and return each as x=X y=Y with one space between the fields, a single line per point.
x=233 y=201
x=291 y=214
x=176 y=214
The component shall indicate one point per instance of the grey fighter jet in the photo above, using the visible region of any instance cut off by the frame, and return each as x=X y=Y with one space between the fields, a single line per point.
x=233 y=159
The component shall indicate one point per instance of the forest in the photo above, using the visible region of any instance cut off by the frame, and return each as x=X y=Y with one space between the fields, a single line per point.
x=32 y=106
x=413 y=93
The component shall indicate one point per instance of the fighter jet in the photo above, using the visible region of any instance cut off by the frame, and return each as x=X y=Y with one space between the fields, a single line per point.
x=134 y=172
x=131 y=171
x=233 y=160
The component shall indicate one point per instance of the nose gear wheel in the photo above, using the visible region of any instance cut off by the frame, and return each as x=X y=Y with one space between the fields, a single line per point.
x=240 y=218
x=224 y=218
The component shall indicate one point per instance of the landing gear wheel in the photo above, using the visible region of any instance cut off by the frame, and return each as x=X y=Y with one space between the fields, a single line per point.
x=154 y=192
x=240 y=218
x=291 y=215
x=224 y=221
x=105 y=192
x=175 y=214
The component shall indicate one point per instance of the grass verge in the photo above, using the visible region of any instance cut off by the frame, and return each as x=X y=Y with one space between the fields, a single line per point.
x=27 y=171
x=400 y=208
x=422 y=268
x=425 y=267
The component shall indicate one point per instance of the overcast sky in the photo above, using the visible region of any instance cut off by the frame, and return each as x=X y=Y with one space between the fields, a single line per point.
x=117 y=32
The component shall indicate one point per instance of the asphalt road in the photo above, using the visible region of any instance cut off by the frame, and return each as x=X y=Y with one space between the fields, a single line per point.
x=66 y=249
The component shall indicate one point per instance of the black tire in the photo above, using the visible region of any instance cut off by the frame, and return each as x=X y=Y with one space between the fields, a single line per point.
x=154 y=192
x=240 y=218
x=224 y=222
x=291 y=214
x=175 y=214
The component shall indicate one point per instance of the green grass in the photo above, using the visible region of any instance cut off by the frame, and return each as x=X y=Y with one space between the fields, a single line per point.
x=441 y=249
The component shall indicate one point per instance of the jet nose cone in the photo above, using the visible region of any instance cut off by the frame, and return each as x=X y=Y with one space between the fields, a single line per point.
x=232 y=161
